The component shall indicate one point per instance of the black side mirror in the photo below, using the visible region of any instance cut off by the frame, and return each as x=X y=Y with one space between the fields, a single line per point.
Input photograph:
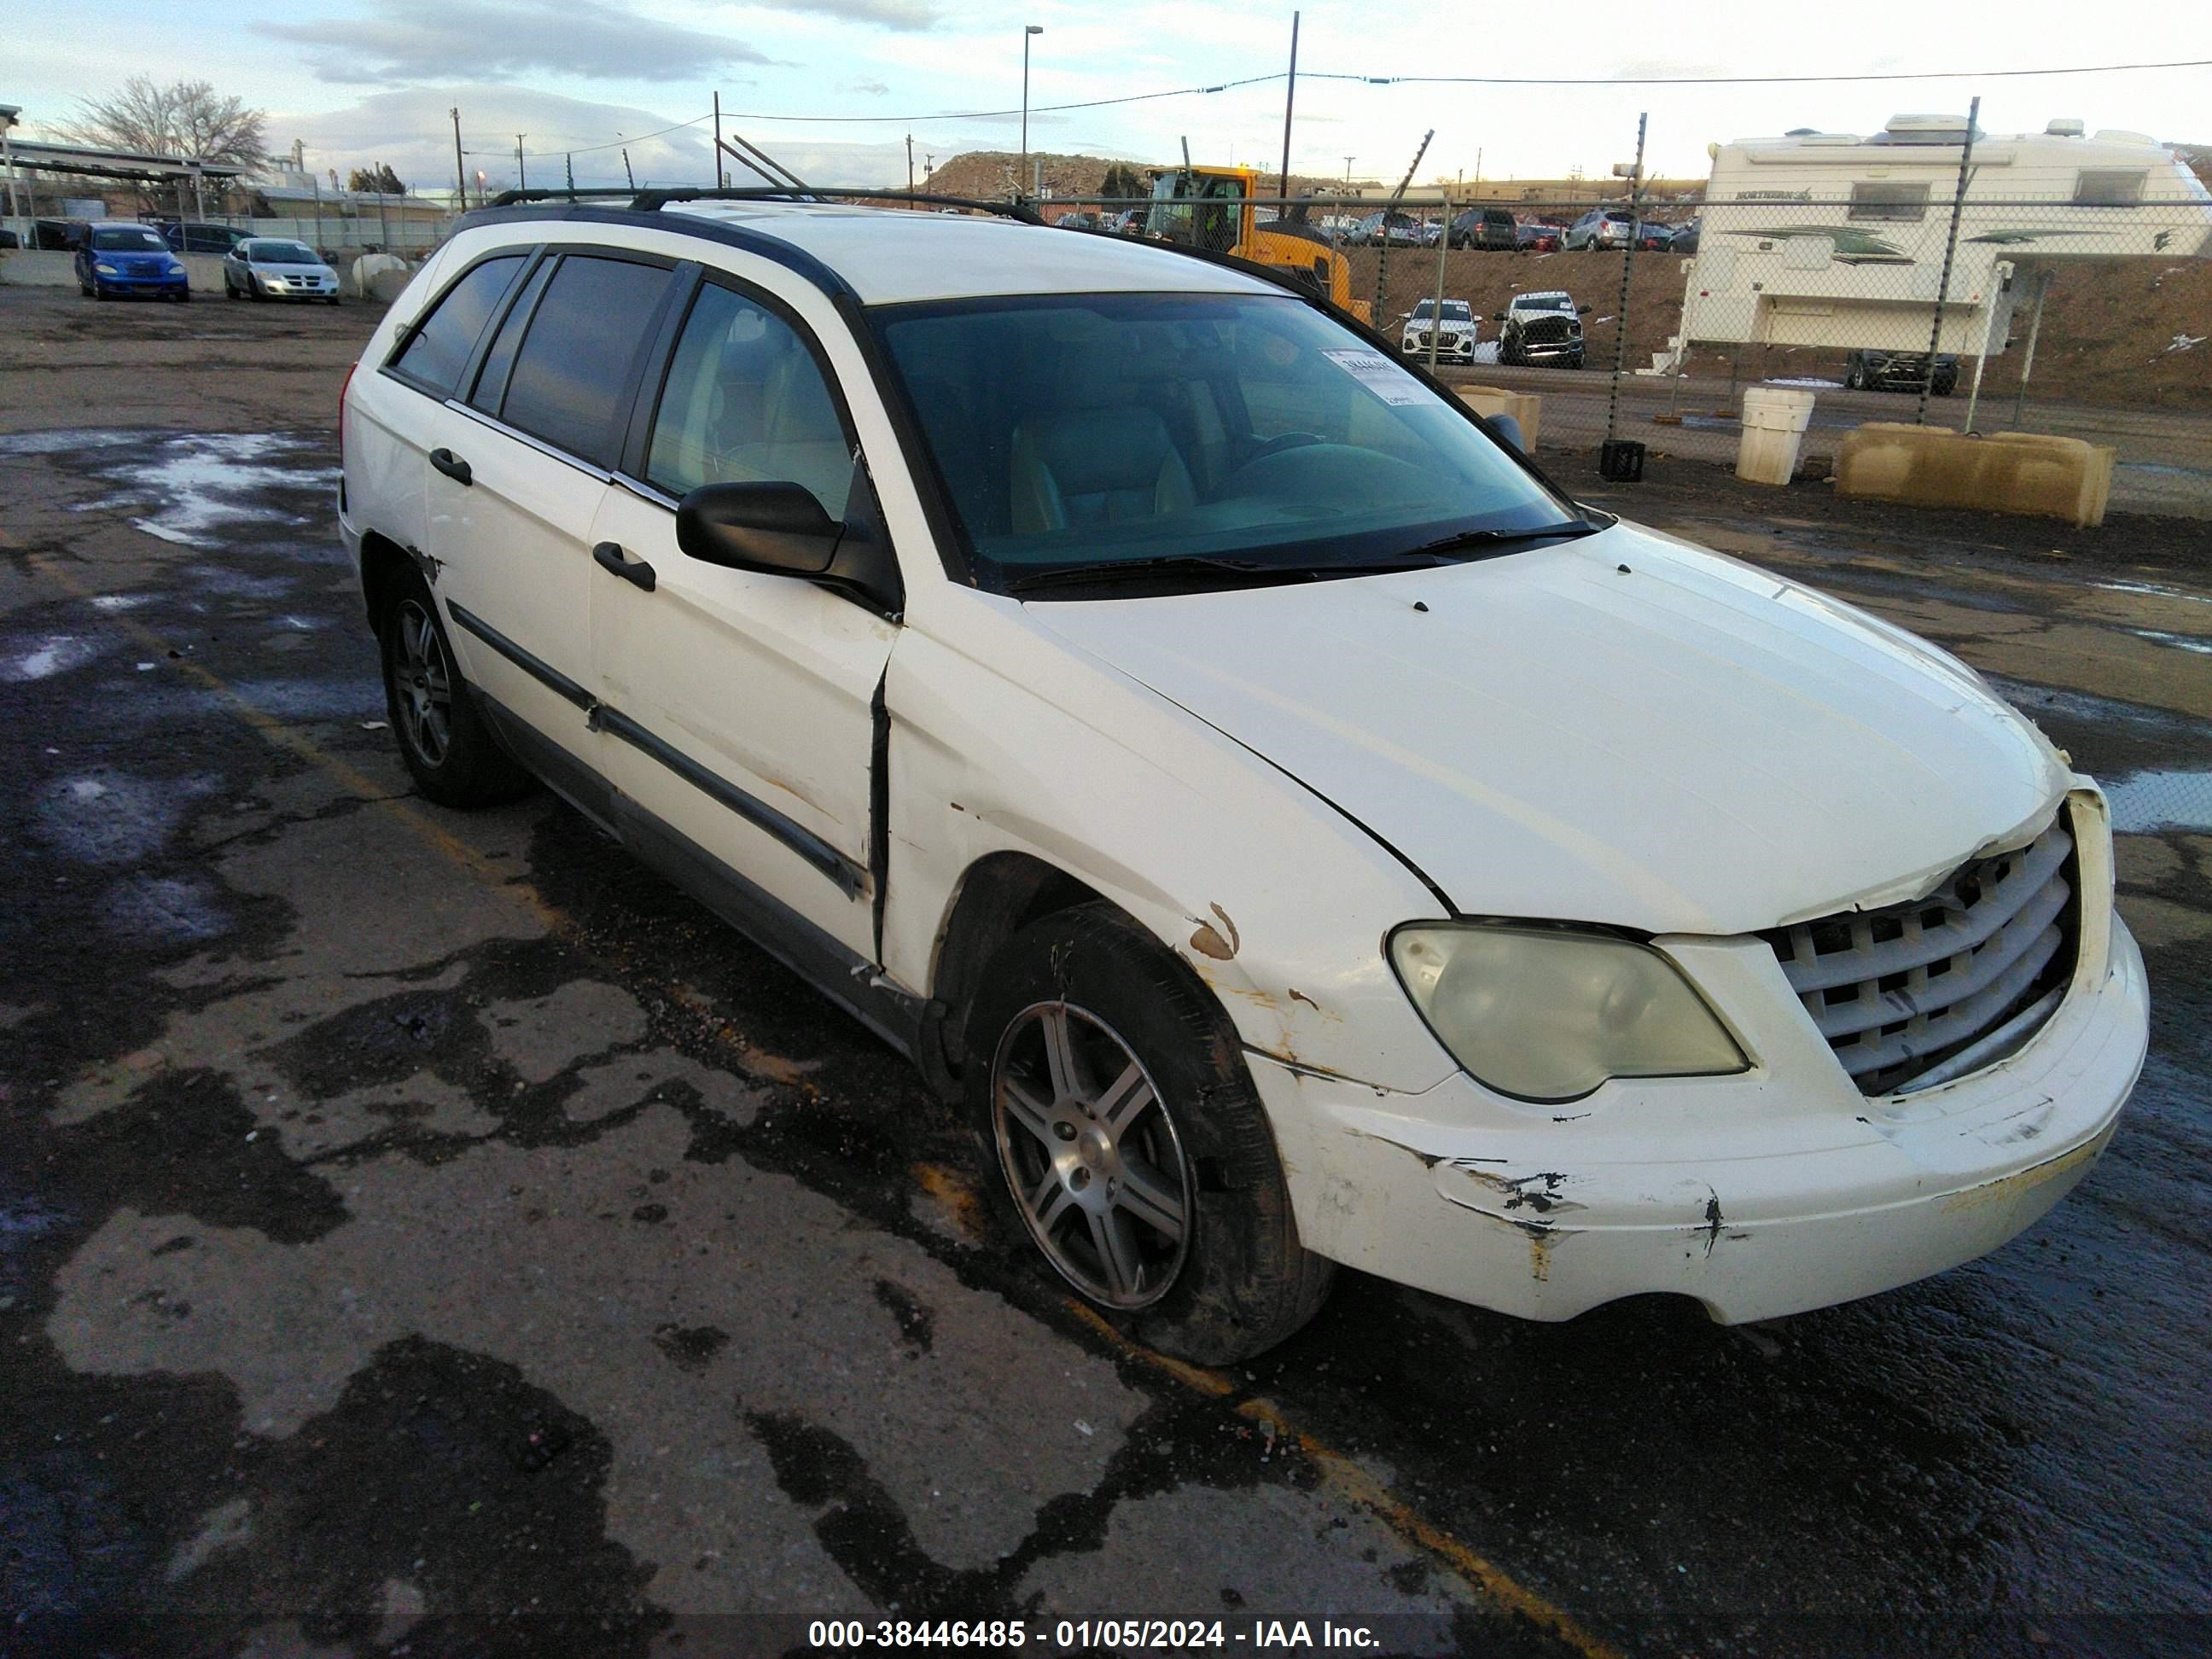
x=778 y=529
x=1582 y=311
x=781 y=529
x=1507 y=430
x=1497 y=316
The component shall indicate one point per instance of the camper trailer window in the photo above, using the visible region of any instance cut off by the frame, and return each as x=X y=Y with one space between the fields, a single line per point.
x=2100 y=187
x=1883 y=200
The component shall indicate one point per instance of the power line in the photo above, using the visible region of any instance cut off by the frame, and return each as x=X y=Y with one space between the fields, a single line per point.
x=1471 y=80
x=587 y=149
x=1035 y=109
x=1372 y=80
x=1741 y=80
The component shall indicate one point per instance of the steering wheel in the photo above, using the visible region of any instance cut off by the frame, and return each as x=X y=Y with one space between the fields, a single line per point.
x=1281 y=441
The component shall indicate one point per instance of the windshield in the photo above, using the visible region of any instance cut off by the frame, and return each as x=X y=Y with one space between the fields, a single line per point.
x=1081 y=431
x=1455 y=311
x=133 y=239
x=280 y=253
x=1543 y=302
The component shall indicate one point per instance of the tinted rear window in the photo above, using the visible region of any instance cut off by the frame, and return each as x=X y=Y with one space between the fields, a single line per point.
x=439 y=349
x=574 y=362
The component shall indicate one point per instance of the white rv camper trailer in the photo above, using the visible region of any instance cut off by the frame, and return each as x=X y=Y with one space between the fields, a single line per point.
x=1828 y=239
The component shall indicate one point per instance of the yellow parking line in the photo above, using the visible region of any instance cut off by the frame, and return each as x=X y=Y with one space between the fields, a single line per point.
x=1356 y=1486
x=1340 y=1471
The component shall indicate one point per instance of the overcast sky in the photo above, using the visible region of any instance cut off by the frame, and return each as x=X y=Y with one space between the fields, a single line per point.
x=364 y=81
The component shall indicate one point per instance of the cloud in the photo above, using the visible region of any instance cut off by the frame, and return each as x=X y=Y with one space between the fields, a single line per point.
x=410 y=127
x=887 y=14
x=409 y=40
x=868 y=88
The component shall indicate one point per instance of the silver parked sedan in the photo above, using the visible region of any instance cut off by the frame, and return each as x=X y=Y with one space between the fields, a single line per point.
x=274 y=268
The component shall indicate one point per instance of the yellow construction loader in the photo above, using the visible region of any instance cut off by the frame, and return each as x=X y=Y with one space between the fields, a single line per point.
x=1211 y=207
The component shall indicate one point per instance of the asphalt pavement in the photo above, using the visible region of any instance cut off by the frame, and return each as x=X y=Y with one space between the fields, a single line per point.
x=431 y=1232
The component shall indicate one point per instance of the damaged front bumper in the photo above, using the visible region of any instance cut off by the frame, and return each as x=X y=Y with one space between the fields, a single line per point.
x=1779 y=1191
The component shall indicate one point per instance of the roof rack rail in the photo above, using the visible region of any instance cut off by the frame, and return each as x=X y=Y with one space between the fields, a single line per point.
x=516 y=198
x=652 y=200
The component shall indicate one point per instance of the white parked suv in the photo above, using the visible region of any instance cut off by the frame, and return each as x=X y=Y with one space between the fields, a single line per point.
x=1297 y=831
x=1455 y=339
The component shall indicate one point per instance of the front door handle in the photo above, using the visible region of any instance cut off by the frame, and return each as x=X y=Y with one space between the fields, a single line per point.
x=452 y=466
x=635 y=571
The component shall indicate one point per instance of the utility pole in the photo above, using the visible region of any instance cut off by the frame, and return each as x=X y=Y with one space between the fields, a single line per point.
x=569 y=161
x=1290 y=97
x=460 y=167
x=627 y=174
x=722 y=173
x=909 y=165
x=1028 y=29
x=521 y=176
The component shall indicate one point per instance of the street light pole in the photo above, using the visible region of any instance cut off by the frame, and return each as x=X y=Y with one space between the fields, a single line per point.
x=1028 y=29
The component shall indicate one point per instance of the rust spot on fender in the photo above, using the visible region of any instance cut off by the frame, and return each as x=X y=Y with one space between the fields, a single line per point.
x=1208 y=941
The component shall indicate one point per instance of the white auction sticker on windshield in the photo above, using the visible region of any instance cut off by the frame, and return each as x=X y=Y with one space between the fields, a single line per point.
x=1378 y=374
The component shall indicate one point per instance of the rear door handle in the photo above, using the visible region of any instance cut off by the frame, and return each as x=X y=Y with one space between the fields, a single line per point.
x=452 y=466
x=611 y=557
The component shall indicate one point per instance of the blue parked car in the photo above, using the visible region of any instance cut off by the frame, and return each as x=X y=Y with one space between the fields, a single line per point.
x=117 y=256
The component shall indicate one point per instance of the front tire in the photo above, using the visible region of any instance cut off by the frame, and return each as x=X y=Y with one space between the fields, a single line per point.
x=450 y=752
x=1109 y=1094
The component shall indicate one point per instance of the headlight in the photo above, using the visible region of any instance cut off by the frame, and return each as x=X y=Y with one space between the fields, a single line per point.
x=174 y=269
x=104 y=270
x=1548 y=1014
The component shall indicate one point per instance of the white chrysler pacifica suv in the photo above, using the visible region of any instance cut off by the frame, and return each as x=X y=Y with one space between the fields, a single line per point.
x=1297 y=832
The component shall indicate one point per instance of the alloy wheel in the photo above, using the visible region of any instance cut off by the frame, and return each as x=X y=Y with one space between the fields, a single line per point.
x=424 y=684
x=1091 y=1155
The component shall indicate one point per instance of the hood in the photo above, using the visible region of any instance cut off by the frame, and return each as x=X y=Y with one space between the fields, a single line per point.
x=1690 y=746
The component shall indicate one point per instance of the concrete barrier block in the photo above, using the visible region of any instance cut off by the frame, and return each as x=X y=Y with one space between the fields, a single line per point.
x=1526 y=407
x=33 y=267
x=2025 y=472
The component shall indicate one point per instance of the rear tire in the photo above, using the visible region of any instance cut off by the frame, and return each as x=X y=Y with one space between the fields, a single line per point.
x=1130 y=1148
x=450 y=752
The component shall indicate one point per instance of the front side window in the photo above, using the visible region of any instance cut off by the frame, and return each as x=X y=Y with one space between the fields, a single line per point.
x=573 y=366
x=1077 y=431
x=745 y=403
x=438 y=350
x=1880 y=199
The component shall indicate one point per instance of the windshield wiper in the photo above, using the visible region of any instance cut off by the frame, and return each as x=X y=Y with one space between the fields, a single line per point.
x=1107 y=571
x=1460 y=538
x=1110 y=571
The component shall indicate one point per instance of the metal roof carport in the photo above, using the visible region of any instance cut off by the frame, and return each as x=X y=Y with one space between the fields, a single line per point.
x=122 y=166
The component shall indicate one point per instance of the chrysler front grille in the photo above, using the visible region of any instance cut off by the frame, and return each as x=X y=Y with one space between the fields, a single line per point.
x=1911 y=995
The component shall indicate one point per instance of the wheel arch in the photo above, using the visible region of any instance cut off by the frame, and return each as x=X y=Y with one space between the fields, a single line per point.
x=996 y=896
x=384 y=565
